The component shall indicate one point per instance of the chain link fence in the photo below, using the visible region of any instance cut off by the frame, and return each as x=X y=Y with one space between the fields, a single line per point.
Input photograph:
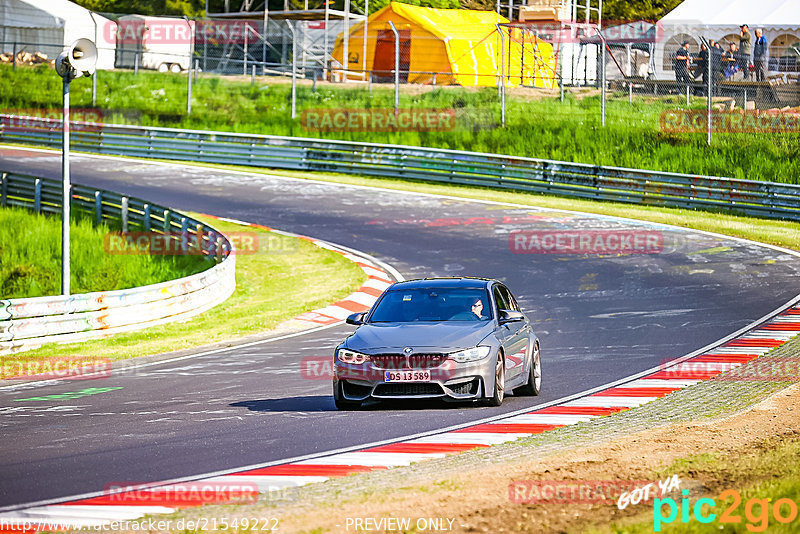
x=687 y=83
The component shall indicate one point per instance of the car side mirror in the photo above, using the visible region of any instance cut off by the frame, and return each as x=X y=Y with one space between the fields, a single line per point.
x=355 y=319
x=510 y=316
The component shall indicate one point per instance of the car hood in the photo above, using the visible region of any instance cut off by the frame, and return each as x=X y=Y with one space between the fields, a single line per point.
x=435 y=337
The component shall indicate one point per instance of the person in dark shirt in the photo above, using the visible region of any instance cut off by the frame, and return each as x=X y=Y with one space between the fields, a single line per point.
x=760 y=56
x=702 y=68
x=744 y=51
x=682 y=59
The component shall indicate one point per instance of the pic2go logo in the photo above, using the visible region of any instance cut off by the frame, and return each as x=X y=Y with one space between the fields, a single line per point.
x=756 y=511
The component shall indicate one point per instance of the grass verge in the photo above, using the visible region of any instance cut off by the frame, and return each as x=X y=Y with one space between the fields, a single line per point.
x=30 y=258
x=759 y=481
x=272 y=286
x=538 y=124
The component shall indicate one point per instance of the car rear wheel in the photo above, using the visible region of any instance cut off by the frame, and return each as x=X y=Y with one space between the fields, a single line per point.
x=175 y=68
x=499 y=382
x=163 y=67
x=534 y=385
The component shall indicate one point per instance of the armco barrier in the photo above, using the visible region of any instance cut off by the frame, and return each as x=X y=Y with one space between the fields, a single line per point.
x=31 y=322
x=751 y=197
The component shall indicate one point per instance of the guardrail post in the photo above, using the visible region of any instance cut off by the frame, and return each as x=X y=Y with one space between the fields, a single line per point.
x=37 y=195
x=98 y=208
x=167 y=224
x=184 y=234
x=124 y=214
x=198 y=230
x=220 y=253
x=4 y=189
x=146 y=217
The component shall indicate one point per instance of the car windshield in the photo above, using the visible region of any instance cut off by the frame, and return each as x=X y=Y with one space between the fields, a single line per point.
x=432 y=304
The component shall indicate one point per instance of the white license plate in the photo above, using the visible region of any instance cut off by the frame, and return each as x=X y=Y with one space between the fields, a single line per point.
x=407 y=376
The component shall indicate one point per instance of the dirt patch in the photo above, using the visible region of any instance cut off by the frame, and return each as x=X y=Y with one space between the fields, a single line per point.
x=479 y=501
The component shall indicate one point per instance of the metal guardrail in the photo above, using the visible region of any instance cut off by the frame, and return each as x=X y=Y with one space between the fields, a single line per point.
x=30 y=322
x=750 y=197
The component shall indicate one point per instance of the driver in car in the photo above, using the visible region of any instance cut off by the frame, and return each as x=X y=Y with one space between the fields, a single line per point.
x=477 y=309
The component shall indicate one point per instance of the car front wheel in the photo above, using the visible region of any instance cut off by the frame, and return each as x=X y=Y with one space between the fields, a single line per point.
x=341 y=404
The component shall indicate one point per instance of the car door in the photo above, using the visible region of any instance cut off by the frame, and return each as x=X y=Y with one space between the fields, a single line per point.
x=513 y=335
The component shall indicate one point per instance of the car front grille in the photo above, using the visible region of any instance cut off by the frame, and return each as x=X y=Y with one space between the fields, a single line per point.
x=414 y=361
x=407 y=389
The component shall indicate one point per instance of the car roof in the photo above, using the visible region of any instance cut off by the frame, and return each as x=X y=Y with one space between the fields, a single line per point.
x=461 y=283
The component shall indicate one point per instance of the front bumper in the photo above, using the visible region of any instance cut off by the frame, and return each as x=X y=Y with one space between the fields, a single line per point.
x=449 y=381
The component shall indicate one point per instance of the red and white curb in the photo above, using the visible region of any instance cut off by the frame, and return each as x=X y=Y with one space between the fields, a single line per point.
x=634 y=391
x=359 y=301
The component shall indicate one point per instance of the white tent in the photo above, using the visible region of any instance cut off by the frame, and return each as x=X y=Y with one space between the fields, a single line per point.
x=47 y=26
x=720 y=20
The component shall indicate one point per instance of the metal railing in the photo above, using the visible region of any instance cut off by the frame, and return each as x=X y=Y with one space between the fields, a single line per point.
x=27 y=323
x=750 y=197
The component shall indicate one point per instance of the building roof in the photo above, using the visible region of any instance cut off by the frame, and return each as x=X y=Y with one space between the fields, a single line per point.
x=41 y=13
x=782 y=13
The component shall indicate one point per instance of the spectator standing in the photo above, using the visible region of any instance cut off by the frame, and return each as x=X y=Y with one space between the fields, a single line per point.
x=702 y=68
x=682 y=58
x=744 y=50
x=760 y=56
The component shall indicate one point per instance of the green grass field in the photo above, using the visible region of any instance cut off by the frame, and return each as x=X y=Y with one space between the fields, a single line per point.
x=279 y=282
x=536 y=127
x=30 y=258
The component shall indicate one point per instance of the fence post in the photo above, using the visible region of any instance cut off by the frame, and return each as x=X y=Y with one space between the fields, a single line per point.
x=502 y=76
x=244 y=60
x=94 y=88
x=37 y=195
x=14 y=57
x=294 y=68
x=124 y=214
x=98 y=208
x=602 y=79
x=561 y=71
x=189 y=92
x=709 y=87
x=136 y=62
x=253 y=76
x=396 y=67
x=4 y=189
x=167 y=225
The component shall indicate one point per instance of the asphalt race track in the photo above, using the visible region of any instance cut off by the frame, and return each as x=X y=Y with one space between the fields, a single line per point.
x=599 y=317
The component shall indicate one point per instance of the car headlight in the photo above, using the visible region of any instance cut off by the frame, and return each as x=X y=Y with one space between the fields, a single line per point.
x=470 y=355
x=350 y=356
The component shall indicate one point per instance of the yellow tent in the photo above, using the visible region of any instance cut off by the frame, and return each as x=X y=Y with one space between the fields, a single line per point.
x=445 y=46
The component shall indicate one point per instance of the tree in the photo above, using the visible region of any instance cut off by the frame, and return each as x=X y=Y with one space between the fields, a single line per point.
x=190 y=8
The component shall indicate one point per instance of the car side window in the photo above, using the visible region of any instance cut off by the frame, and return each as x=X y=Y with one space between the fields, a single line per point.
x=500 y=299
x=509 y=298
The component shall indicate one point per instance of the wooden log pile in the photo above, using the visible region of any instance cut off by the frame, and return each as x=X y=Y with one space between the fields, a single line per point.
x=26 y=58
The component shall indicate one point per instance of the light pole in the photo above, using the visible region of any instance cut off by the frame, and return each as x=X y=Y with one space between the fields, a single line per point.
x=76 y=61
